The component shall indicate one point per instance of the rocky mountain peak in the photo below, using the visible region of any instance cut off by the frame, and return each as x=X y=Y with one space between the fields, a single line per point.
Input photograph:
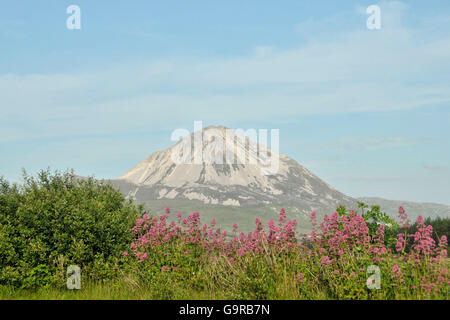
x=218 y=165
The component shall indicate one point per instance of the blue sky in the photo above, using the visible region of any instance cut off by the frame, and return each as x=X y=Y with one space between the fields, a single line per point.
x=368 y=111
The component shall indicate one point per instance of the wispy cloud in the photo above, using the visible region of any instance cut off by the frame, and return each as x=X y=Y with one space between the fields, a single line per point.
x=368 y=177
x=432 y=166
x=371 y=143
x=352 y=71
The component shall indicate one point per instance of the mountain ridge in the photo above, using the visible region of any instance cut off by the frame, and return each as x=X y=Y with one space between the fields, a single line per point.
x=242 y=191
x=236 y=183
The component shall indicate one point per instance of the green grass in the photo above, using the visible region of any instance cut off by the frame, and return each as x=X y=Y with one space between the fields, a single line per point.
x=114 y=290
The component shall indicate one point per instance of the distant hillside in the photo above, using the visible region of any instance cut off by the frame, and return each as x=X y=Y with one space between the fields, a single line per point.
x=414 y=209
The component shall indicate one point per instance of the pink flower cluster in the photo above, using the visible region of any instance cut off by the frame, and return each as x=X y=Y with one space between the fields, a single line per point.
x=332 y=242
x=155 y=232
x=341 y=233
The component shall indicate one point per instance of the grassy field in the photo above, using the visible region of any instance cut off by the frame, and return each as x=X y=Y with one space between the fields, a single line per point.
x=287 y=287
x=114 y=290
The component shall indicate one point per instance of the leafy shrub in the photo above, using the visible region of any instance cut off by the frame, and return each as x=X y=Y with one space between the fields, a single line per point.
x=58 y=217
x=374 y=217
x=38 y=277
x=441 y=227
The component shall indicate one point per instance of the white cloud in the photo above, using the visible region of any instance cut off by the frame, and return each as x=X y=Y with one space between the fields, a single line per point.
x=434 y=166
x=351 y=71
x=371 y=143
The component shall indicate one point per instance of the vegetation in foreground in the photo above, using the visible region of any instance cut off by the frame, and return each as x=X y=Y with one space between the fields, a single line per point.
x=56 y=220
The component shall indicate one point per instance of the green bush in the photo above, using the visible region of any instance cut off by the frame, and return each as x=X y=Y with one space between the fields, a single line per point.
x=54 y=220
x=374 y=217
x=441 y=227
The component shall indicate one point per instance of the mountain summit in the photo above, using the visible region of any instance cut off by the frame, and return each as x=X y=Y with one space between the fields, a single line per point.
x=221 y=166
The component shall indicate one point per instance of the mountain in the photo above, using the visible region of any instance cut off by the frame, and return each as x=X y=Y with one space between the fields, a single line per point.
x=232 y=180
x=247 y=185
